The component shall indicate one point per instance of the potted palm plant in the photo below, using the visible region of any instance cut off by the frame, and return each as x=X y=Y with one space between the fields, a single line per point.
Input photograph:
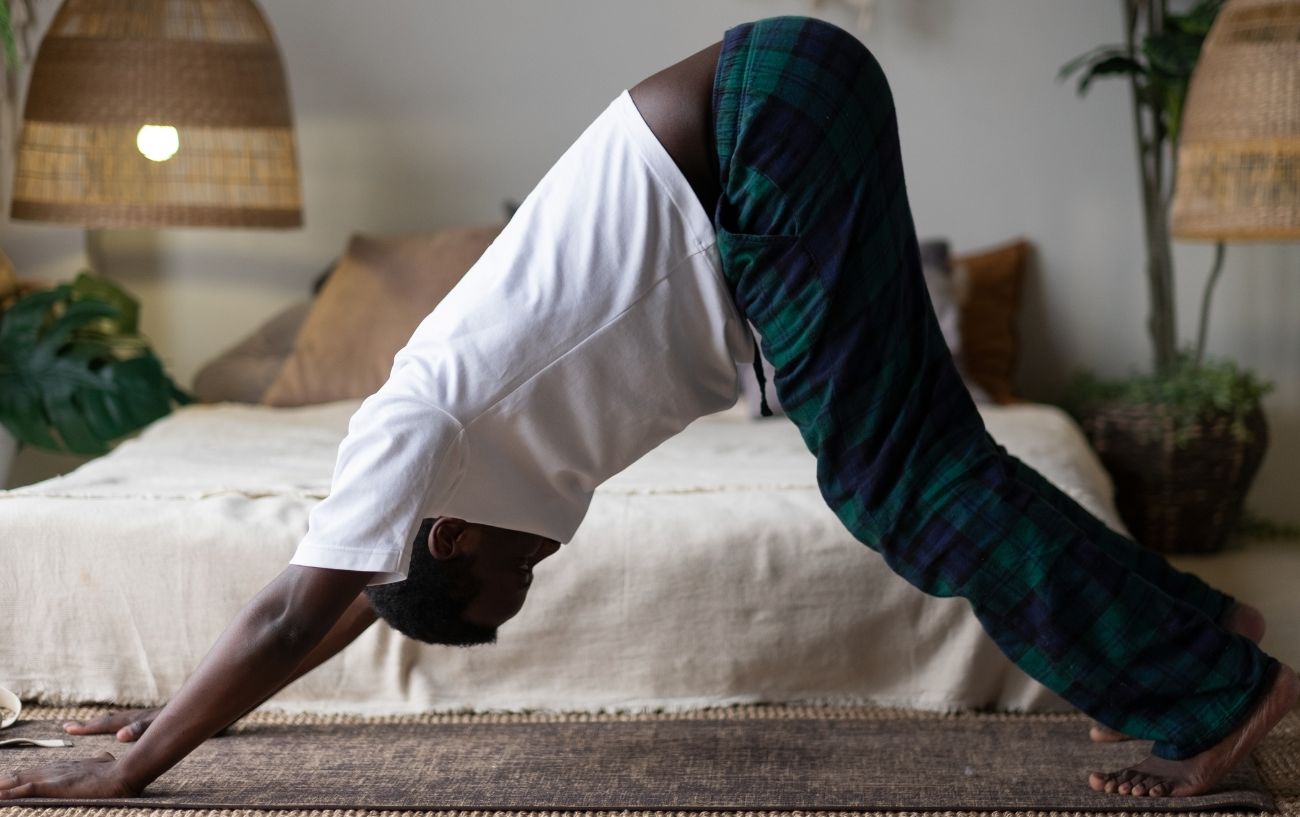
x=1184 y=441
x=75 y=373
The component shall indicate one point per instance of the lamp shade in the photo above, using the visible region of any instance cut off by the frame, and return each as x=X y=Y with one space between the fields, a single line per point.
x=1239 y=152
x=158 y=112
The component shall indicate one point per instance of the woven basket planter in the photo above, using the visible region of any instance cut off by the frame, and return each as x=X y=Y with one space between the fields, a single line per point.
x=1176 y=499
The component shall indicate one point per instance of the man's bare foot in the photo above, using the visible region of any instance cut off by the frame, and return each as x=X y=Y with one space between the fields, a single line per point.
x=1241 y=618
x=1157 y=777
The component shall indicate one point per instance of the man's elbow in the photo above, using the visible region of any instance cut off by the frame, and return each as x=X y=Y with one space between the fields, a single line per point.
x=299 y=608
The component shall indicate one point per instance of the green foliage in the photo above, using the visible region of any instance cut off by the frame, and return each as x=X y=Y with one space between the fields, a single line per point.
x=7 y=36
x=75 y=374
x=1255 y=526
x=1161 y=69
x=1191 y=393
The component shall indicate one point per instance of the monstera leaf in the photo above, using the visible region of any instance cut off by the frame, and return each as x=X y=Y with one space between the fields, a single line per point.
x=75 y=374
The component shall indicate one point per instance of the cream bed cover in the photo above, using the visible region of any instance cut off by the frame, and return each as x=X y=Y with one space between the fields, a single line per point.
x=710 y=572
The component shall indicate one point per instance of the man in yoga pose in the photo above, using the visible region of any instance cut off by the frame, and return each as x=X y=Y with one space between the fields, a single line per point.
x=758 y=180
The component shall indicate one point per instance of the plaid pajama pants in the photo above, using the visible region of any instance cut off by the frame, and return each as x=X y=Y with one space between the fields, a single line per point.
x=818 y=247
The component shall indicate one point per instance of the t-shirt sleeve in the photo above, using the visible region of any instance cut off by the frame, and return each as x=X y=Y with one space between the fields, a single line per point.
x=401 y=455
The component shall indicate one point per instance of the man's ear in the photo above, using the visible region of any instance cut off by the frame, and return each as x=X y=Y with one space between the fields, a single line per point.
x=445 y=540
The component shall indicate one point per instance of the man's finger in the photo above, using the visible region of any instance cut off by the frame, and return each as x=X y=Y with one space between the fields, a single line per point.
x=132 y=731
x=104 y=723
x=25 y=790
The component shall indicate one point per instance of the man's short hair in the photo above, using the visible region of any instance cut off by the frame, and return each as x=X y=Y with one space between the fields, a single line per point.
x=429 y=605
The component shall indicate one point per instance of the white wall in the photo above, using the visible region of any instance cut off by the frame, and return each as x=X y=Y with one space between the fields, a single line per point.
x=414 y=114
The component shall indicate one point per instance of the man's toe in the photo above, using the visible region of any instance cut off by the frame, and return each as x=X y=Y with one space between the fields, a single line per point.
x=1104 y=734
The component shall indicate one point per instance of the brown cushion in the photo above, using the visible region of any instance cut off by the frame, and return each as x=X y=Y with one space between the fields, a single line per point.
x=379 y=292
x=991 y=281
x=242 y=373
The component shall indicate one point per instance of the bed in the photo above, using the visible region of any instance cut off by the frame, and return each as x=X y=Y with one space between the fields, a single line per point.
x=708 y=573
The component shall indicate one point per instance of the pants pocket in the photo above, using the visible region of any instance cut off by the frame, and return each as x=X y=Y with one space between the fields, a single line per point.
x=774 y=284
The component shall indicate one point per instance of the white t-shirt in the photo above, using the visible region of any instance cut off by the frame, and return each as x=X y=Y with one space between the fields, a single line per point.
x=595 y=327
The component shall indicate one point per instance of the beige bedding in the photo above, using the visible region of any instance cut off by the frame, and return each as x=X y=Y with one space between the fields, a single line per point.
x=709 y=572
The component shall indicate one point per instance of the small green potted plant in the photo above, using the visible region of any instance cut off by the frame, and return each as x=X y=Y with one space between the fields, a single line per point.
x=1182 y=447
x=1183 y=442
x=75 y=373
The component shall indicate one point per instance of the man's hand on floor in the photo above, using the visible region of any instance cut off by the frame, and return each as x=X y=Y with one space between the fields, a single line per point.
x=93 y=778
x=263 y=649
x=129 y=724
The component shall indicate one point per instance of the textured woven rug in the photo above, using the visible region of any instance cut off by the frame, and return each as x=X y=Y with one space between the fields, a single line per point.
x=761 y=760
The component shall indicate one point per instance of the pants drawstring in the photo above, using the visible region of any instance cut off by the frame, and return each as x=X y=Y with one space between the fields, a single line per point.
x=764 y=409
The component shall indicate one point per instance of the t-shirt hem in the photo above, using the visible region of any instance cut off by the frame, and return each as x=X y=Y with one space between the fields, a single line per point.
x=384 y=565
x=666 y=172
x=679 y=191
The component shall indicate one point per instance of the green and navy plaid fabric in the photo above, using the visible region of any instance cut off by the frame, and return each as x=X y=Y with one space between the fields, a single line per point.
x=818 y=246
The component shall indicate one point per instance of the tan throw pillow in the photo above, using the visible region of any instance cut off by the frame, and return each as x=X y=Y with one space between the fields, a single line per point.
x=990 y=282
x=376 y=296
x=242 y=373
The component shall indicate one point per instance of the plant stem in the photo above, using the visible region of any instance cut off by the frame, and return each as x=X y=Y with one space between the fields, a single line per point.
x=1163 y=263
x=1133 y=12
x=1160 y=238
x=1150 y=137
x=1205 y=300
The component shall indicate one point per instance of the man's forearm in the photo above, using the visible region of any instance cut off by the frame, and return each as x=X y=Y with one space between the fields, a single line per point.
x=355 y=621
x=262 y=650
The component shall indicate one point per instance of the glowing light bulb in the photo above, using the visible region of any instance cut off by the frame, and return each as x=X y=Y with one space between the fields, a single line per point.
x=158 y=142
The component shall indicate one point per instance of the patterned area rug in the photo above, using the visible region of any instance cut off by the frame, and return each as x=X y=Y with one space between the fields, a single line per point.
x=750 y=760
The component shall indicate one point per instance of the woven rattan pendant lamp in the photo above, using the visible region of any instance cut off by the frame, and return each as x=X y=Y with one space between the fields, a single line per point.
x=1239 y=152
x=156 y=113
